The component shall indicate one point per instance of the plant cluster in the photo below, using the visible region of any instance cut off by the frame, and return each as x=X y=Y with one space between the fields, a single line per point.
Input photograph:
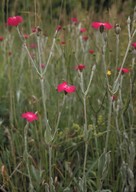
x=68 y=108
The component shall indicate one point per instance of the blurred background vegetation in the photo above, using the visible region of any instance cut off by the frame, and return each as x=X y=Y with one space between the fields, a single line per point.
x=47 y=11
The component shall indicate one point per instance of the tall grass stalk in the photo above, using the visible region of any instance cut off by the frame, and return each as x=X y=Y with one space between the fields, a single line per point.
x=26 y=157
x=86 y=133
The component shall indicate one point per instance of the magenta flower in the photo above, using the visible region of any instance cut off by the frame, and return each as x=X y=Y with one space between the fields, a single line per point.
x=26 y=36
x=91 y=51
x=80 y=67
x=42 y=66
x=74 y=20
x=123 y=70
x=1 y=38
x=66 y=88
x=58 y=28
x=34 y=29
x=61 y=87
x=99 y=25
x=82 y=30
x=70 y=89
x=134 y=45
x=33 y=45
x=62 y=43
x=14 y=21
x=85 y=38
x=113 y=97
x=30 y=116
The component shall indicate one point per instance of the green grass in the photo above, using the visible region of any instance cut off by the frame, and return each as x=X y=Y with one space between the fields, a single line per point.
x=82 y=141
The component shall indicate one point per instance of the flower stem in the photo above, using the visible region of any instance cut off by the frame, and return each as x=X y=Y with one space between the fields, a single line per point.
x=28 y=52
x=50 y=55
x=31 y=188
x=90 y=81
x=60 y=112
x=109 y=124
x=50 y=167
x=86 y=143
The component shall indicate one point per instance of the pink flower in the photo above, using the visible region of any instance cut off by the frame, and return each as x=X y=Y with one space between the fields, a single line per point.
x=26 y=36
x=101 y=26
x=14 y=21
x=113 y=97
x=70 y=89
x=34 y=29
x=123 y=70
x=30 y=116
x=61 y=87
x=74 y=20
x=91 y=51
x=42 y=66
x=33 y=45
x=1 y=38
x=80 y=67
x=58 y=28
x=82 y=30
x=134 y=45
x=62 y=42
x=66 y=88
x=85 y=38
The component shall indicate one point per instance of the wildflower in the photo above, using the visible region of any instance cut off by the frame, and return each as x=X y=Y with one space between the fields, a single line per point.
x=82 y=30
x=85 y=38
x=134 y=45
x=1 y=38
x=58 y=28
x=70 y=89
x=42 y=66
x=30 y=116
x=62 y=42
x=91 y=51
x=14 y=21
x=101 y=26
x=33 y=45
x=26 y=36
x=74 y=20
x=66 y=88
x=109 y=72
x=123 y=70
x=113 y=97
x=80 y=67
x=61 y=87
x=34 y=29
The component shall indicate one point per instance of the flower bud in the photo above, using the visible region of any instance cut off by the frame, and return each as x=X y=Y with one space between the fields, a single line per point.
x=101 y=28
x=128 y=21
x=38 y=30
x=117 y=29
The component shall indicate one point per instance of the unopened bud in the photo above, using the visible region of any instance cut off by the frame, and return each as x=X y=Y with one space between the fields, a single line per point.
x=128 y=21
x=102 y=28
x=56 y=180
x=38 y=30
x=3 y=170
x=134 y=16
x=117 y=29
